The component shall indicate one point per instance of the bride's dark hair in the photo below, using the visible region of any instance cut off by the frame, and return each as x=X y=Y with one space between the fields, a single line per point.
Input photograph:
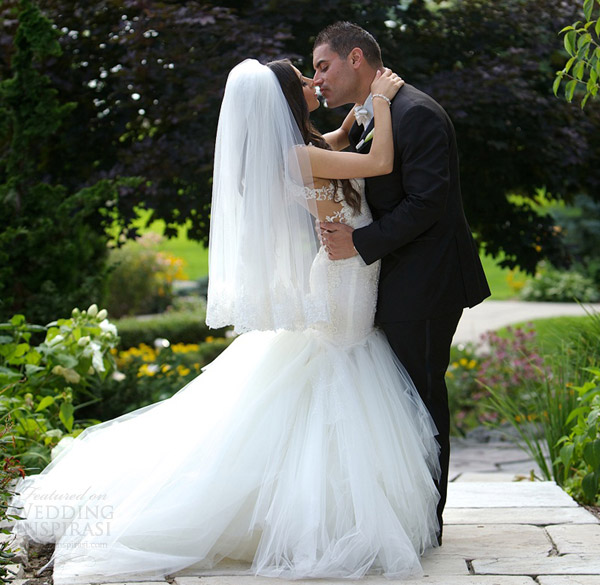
x=292 y=90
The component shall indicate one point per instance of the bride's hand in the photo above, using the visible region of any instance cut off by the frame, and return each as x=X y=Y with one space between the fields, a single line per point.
x=386 y=82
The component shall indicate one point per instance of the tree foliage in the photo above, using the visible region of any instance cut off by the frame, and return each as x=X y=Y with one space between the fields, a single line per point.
x=148 y=76
x=490 y=65
x=582 y=43
x=52 y=243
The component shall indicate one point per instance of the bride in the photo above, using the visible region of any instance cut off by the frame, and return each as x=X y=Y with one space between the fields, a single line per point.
x=303 y=449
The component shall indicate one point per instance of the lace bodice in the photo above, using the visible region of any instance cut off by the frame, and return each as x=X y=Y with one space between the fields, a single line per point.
x=349 y=285
x=331 y=205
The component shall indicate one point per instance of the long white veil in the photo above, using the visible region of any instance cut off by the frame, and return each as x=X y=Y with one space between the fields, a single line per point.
x=262 y=234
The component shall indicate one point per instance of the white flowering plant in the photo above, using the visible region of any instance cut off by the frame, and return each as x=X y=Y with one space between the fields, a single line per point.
x=42 y=385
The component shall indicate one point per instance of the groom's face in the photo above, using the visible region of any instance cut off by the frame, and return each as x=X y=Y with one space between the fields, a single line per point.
x=334 y=75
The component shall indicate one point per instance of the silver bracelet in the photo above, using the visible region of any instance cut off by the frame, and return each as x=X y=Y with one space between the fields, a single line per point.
x=380 y=95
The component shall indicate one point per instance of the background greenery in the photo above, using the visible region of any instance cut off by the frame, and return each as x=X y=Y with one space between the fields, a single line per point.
x=131 y=93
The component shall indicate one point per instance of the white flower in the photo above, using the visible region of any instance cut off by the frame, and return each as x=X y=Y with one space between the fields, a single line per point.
x=70 y=375
x=118 y=376
x=97 y=361
x=93 y=310
x=83 y=341
x=102 y=314
x=108 y=327
x=56 y=340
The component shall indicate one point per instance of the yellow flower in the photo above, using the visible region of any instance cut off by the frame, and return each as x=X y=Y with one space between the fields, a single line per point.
x=184 y=347
x=183 y=371
x=209 y=339
x=471 y=364
x=146 y=370
x=464 y=362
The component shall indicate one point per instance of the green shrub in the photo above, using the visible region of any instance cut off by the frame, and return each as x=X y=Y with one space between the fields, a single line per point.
x=140 y=279
x=580 y=450
x=558 y=423
x=177 y=327
x=10 y=470
x=552 y=285
x=580 y=227
x=44 y=385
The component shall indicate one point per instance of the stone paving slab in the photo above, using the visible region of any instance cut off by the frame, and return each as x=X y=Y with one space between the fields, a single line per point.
x=576 y=539
x=507 y=495
x=556 y=565
x=433 y=564
x=488 y=476
x=436 y=565
x=133 y=582
x=485 y=541
x=533 y=516
x=373 y=580
x=467 y=456
x=568 y=580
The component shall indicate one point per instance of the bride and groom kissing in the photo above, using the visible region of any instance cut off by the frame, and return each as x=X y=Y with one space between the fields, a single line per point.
x=317 y=444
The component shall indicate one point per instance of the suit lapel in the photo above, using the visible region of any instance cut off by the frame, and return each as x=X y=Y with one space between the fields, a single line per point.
x=361 y=145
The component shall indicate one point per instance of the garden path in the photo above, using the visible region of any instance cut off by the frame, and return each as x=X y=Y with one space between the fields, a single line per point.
x=491 y=315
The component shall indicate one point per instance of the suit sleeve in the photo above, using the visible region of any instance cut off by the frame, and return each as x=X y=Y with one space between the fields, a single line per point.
x=422 y=149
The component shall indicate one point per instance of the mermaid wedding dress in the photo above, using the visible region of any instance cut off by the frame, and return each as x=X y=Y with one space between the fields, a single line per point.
x=304 y=453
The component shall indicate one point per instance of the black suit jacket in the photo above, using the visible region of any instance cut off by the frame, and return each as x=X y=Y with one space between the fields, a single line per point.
x=429 y=261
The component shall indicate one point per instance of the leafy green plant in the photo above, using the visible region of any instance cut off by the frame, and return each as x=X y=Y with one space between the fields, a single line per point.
x=580 y=225
x=541 y=420
x=508 y=364
x=551 y=284
x=53 y=244
x=44 y=385
x=141 y=278
x=580 y=450
x=558 y=423
x=10 y=470
x=582 y=43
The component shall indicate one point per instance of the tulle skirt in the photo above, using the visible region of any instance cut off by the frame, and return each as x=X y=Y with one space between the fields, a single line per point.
x=297 y=456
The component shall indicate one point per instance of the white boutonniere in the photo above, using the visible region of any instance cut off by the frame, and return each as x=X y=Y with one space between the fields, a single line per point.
x=366 y=139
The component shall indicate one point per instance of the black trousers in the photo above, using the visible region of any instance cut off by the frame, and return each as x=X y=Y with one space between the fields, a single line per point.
x=423 y=347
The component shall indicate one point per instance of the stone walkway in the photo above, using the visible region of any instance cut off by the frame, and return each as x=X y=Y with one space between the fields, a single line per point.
x=500 y=529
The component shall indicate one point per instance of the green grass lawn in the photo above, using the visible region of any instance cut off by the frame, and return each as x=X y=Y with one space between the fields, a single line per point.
x=195 y=256
x=498 y=278
x=553 y=331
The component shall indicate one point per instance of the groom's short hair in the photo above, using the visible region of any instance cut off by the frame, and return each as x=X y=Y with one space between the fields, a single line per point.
x=343 y=36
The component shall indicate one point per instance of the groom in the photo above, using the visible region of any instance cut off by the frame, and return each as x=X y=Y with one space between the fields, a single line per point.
x=430 y=268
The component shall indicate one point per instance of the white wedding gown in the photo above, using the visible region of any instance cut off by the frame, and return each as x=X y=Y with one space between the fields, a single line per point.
x=304 y=453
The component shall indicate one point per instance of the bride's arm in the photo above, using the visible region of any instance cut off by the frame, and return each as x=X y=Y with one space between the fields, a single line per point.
x=338 y=139
x=380 y=159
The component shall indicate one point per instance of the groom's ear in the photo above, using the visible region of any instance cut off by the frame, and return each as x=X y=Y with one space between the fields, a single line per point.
x=356 y=58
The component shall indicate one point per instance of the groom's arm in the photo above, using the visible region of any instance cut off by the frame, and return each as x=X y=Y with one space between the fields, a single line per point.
x=423 y=150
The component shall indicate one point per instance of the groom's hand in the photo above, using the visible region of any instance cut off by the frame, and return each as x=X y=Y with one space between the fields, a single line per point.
x=337 y=239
